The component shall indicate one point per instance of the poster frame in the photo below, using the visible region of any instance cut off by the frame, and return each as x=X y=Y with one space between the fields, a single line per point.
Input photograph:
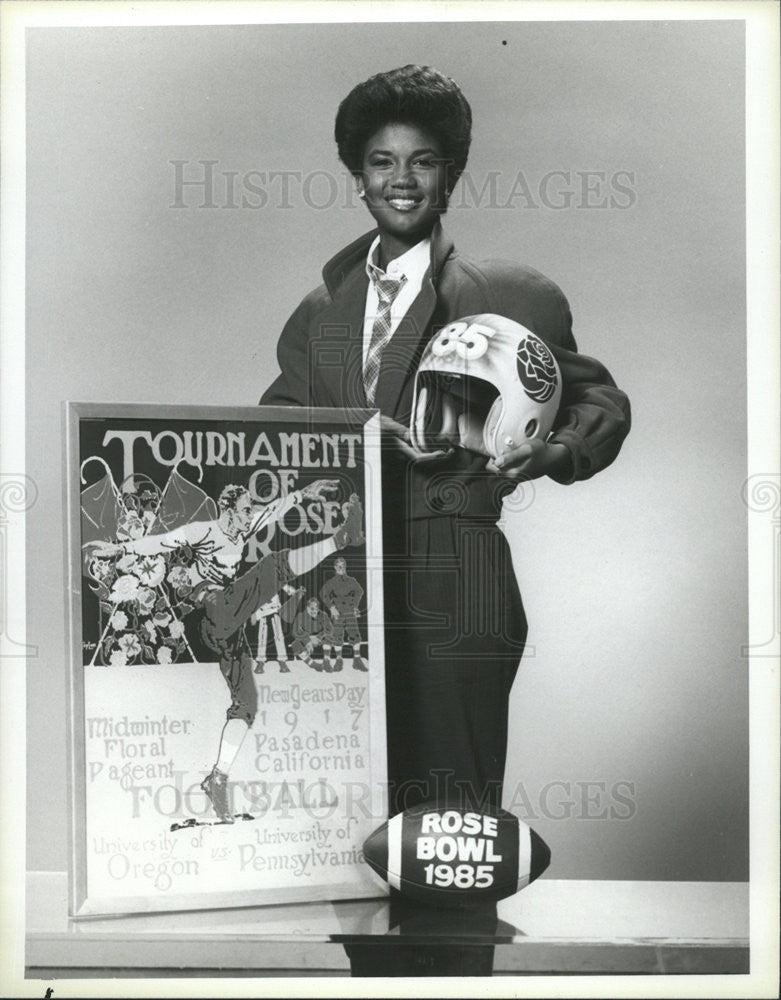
x=81 y=904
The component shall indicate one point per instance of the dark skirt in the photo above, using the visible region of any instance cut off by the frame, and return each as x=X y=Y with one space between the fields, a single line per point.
x=454 y=634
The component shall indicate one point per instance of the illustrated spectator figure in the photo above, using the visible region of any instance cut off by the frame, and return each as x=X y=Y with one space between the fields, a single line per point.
x=311 y=631
x=270 y=611
x=341 y=595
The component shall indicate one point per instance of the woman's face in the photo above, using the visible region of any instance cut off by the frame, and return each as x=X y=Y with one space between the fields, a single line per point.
x=404 y=182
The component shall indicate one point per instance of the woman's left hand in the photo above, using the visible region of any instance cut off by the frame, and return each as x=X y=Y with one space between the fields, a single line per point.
x=532 y=459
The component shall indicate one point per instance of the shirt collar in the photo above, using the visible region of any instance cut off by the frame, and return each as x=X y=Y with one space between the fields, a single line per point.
x=350 y=261
x=412 y=264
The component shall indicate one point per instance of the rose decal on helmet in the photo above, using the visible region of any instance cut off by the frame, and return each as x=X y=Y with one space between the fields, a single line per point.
x=536 y=369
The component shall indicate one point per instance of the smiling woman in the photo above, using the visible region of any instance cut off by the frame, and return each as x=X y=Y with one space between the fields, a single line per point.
x=405 y=138
x=403 y=181
x=454 y=621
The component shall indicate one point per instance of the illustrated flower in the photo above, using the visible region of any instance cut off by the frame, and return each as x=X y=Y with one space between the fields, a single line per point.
x=536 y=369
x=178 y=576
x=164 y=654
x=101 y=569
x=125 y=588
x=150 y=570
x=119 y=621
x=151 y=631
x=127 y=563
x=146 y=599
x=176 y=628
x=118 y=658
x=129 y=645
x=161 y=619
x=130 y=526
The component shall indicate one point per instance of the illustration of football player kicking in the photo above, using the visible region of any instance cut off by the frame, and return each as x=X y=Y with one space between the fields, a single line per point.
x=341 y=595
x=225 y=601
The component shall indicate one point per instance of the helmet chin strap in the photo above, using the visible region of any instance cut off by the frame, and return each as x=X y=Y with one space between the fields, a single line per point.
x=457 y=427
x=491 y=428
x=470 y=435
x=450 y=431
x=418 y=438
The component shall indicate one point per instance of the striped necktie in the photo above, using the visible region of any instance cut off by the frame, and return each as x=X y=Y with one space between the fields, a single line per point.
x=387 y=290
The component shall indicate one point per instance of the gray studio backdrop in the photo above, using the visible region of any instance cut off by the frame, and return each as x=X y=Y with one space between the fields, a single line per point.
x=607 y=155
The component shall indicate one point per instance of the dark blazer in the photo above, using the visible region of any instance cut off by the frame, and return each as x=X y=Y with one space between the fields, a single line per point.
x=455 y=626
x=320 y=354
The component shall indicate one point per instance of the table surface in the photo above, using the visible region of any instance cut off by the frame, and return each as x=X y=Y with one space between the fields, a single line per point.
x=551 y=925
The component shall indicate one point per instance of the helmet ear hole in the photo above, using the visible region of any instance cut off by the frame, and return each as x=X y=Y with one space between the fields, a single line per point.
x=531 y=428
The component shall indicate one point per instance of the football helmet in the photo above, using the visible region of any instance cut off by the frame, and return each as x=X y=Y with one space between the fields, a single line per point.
x=484 y=383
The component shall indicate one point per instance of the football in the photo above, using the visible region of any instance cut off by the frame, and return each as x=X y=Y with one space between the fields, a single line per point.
x=450 y=855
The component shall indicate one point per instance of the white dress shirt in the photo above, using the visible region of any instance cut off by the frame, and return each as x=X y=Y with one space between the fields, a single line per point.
x=413 y=266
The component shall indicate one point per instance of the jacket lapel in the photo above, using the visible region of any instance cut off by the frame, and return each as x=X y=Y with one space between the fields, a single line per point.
x=337 y=359
x=339 y=369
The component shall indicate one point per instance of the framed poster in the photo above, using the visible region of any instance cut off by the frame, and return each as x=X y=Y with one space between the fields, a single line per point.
x=224 y=572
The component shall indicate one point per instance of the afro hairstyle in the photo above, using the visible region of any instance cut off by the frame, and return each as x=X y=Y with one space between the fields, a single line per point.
x=415 y=95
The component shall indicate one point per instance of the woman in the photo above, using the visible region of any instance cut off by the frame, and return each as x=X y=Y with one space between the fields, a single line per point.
x=455 y=625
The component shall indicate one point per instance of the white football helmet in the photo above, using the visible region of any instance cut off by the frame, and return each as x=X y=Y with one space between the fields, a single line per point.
x=485 y=383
